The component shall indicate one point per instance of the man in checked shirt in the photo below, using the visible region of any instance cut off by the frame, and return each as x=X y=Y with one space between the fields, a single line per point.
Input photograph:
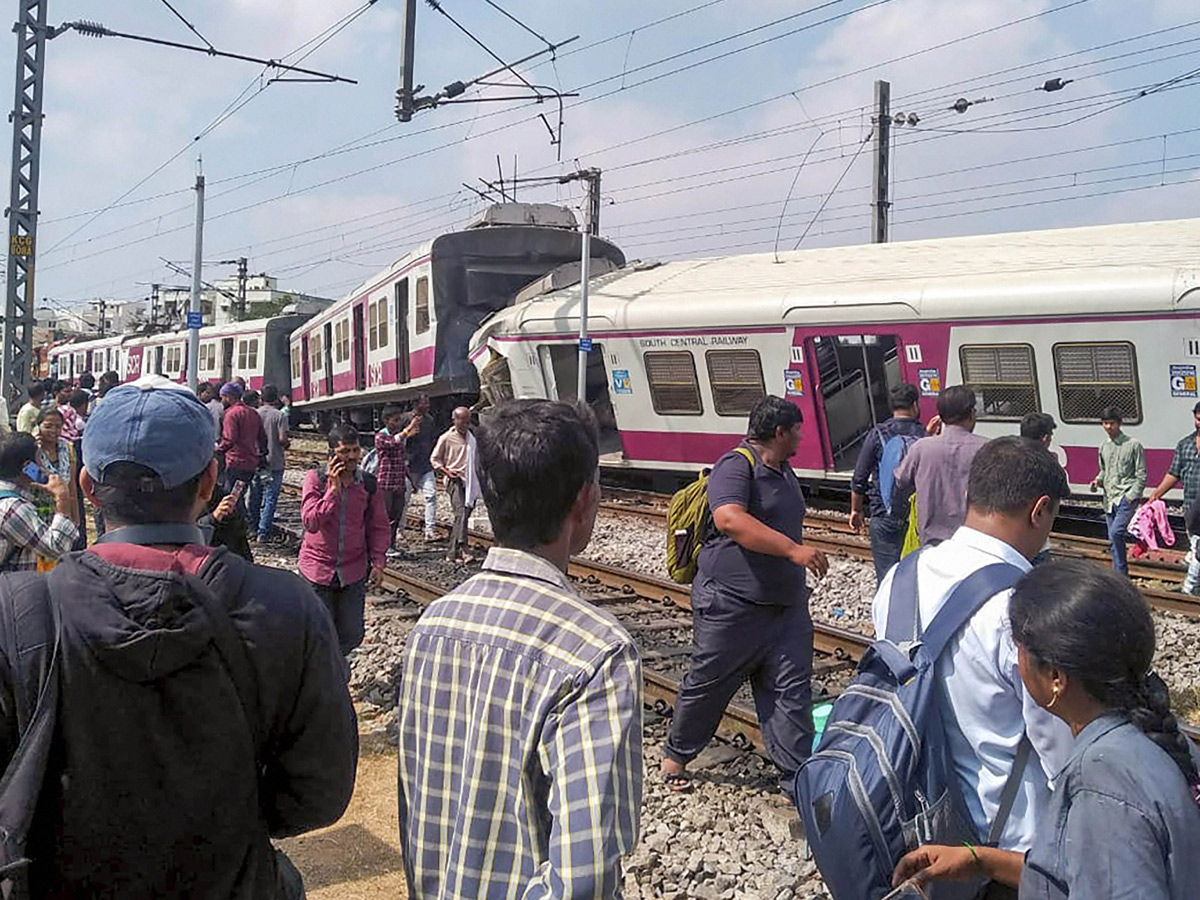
x=520 y=706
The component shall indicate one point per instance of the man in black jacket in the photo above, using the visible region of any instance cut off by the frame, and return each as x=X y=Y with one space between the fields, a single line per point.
x=202 y=707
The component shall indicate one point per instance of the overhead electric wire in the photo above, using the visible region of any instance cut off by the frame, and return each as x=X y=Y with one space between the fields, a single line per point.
x=190 y=26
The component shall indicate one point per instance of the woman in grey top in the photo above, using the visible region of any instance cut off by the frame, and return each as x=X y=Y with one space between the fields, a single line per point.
x=1124 y=819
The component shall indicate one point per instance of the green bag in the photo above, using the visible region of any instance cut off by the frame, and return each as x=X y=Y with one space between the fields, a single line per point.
x=689 y=523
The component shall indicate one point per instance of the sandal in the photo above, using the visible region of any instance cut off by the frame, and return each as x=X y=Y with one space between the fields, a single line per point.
x=679 y=782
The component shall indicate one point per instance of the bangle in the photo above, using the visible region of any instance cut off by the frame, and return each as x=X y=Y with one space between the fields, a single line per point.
x=974 y=855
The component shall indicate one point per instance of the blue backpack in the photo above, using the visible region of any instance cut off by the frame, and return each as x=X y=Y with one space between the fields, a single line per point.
x=894 y=450
x=882 y=781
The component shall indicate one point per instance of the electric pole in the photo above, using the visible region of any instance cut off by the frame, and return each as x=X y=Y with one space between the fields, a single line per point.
x=882 y=121
x=32 y=34
x=408 y=36
x=588 y=227
x=195 y=318
x=103 y=304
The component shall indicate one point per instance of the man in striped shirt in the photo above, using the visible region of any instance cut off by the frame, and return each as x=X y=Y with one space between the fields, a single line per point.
x=520 y=705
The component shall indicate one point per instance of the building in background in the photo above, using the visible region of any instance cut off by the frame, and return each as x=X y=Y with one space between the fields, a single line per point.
x=220 y=302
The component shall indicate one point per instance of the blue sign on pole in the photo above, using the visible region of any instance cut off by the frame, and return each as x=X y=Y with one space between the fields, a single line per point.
x=585 y=344
x=195 y=320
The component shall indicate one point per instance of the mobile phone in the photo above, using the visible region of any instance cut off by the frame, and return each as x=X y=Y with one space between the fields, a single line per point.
x=239 y=488
x=34 y=472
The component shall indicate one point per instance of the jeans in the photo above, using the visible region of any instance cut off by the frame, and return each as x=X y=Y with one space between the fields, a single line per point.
x=1192 y=581
x=272 y=483
x=393 y=504
x=457 y=489
x=1118 y=525
x=427 y=485
x=232 y=477
x=733 y=641
x=347 y=607
x=887 y=540
x=255 y=499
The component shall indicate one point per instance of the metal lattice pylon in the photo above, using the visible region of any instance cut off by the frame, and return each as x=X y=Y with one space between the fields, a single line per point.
x=31 y=33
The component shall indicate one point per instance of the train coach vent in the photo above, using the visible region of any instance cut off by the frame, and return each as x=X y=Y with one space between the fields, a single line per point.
x=1095 y=375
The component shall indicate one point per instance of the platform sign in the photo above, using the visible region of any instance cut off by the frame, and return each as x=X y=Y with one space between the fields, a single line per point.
x=793 y=383
x=585 y=344
x=930 y=382
x=1183 y=381
x=622 y=383
x=195 y=320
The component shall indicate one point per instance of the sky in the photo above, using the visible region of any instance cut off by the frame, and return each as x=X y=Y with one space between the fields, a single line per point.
x=720 y=126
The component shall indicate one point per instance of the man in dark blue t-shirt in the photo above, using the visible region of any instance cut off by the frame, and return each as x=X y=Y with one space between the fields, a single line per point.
x=749 y=602
x=887 y=530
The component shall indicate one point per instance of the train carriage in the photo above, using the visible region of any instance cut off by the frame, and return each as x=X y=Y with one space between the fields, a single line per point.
x=405 y=331
x=1063 y=321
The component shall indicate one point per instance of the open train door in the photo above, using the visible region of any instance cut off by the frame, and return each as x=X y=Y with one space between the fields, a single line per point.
x=852 y=375
x=560 y=371
x=327 y=349
x=226 y=360
x=403 y=371
x=305 y=370
x=359 y=359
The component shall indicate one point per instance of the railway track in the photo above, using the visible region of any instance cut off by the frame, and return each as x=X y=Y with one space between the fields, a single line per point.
x=832 y=533
x=837 y=649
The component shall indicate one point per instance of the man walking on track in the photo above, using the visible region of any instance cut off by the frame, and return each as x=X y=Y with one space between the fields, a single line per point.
x=170 y=708
x=275 y=425
x=888 y=522
x=392 y=476
x=1122 y=477
x=240 y=431
x=993 y=726
x=345 y=535
x=937 y=467
x=1185 y=470
x=420 y=469
x=453 y=458
x=750 y=602
x=520 y=707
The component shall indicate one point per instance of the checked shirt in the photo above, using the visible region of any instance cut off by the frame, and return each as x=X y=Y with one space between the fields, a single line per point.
x=1185 y=465
x=520 y=720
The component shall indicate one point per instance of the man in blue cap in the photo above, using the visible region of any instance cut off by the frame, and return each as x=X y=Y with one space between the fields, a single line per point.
x=196 y=704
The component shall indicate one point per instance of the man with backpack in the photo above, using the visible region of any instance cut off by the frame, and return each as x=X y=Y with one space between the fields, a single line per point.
x=970 y=738
x=167 y=708
x=937 y=468
x=750 y=602
x=874 y=477
x=345 y=535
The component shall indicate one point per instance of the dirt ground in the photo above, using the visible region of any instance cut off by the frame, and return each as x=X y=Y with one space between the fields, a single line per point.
x=359 y=856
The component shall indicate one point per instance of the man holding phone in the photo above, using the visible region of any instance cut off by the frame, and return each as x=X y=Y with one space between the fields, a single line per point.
x=24 y=535
x=346 y=535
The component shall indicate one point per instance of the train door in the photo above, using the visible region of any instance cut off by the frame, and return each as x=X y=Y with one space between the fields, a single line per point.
x=852 y=374
x=360 y=350
x=560 y=371
x=403 y=374
x=327 y=349
x=226 y=360
x=305 y=371
x=158 y=360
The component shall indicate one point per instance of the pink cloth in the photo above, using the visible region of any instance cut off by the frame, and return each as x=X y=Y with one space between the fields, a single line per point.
x=73 y=423
x=1150 y=528
x=344 y=531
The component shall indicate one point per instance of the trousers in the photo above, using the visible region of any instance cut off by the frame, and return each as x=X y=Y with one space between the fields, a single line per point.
x=887 y=539
x=456 y=488
x=1118 y=526
x=347 y=606
x=271 y=485
x=393 y=504
x=426 y=483
x=232 y=477
x=733 y=641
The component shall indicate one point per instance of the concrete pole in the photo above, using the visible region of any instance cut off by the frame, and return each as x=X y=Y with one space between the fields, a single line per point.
x=195 y=318
x=880 y=207
x=585 y=259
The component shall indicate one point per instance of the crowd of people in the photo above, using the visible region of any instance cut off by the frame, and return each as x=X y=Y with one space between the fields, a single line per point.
x=167 y=707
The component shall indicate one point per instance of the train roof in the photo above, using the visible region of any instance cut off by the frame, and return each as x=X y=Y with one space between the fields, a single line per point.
x=1148 y=266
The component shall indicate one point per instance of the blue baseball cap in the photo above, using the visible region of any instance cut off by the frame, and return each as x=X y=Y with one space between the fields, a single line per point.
x=155 y=423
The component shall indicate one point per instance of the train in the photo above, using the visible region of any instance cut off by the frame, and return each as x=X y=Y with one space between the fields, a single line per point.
x=1065 y=321
x=255 y=350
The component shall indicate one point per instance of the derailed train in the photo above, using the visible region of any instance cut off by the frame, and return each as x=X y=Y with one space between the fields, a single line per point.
x=1064 y=321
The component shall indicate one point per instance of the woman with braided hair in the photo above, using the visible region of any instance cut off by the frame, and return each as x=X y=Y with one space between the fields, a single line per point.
x=1124 y=819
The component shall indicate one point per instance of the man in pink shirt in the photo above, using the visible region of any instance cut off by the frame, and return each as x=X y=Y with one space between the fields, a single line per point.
x=346 y=535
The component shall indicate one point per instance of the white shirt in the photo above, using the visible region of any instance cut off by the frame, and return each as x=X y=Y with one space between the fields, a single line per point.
x=990 y=707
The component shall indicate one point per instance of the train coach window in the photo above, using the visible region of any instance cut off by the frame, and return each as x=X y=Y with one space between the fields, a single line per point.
x=1094 y=375
x=315 y=356
x=736 y=379
x=674 y=388
x=1004 y=379
x=373 y=326
x=422 y=314
x=296 y=364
